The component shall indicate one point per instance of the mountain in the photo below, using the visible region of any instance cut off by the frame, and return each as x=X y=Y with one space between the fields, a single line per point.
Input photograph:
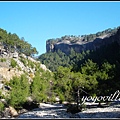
x=72 y=51
x=83 y=42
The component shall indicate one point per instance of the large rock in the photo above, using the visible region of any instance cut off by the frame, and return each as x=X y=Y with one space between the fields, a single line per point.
x=15 y=55
x=44 y=67
x=1 y=85
x=13 y=111
x=23 y=55
x=31 y=59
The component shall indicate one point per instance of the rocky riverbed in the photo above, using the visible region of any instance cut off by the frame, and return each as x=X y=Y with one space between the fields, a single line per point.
x=49 y=111
x=59 y=111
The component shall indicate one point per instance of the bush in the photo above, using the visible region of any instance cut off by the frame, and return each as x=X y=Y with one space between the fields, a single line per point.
x=13 y=63
x=30 y=64
x=39 y=88
x=2 y=60
x=1 y=106
x=19 y=91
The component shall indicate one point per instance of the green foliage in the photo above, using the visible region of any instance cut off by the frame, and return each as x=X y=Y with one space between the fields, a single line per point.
x=13 y=63
x=19 y=91
x=1 y=95
x=1 y=106
x=13 y=42
x=30 y=63
x=89 y=67
x=100 y=77
x=39 y=88
x=2 y=60
x=53 y=60
x=63 y=85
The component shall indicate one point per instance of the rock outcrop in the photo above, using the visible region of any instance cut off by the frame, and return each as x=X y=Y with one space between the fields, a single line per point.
x=7 y=71
x=79 y=45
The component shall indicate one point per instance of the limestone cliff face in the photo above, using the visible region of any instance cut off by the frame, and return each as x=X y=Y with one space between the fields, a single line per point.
x=65 y=44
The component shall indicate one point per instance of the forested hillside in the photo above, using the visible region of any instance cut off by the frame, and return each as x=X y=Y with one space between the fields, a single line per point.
x=102 y=65
x=13 y=43
x=97 y=71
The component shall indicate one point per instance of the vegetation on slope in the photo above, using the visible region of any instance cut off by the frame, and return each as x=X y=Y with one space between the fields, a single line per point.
x=13 y=43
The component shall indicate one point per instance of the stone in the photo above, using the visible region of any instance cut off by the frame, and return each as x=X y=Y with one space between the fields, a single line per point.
x=57 y=99
x=44 y=67
x=29 y=99
x=5 y=53
x=13 y=111
x=31 y=59
x=22 y=111
x=23 y=55
x=15 y=55
x=1 y=85
x=3 y=101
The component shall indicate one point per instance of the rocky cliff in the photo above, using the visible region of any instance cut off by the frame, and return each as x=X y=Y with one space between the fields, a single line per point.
x=83 y=43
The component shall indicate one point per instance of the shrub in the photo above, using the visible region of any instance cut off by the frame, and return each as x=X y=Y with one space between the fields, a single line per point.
x=39 y=88
x=13 y=63
x=2 y=60
x=1 y=106
x=30 y=64
x=19 y=91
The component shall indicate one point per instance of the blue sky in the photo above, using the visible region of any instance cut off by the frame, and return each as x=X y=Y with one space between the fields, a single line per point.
x=39 y=21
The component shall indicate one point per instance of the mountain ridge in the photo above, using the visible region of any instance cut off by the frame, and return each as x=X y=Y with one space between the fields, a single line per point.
x=81 y=43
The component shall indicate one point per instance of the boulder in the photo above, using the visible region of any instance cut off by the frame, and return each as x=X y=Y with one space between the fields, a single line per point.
x=31 y=59
x=1 y=85
x=15 y=55
x=23 y=55
x=57 y=99
x=13 y=112
x=44 y=67
x=5 y=53
x=3 y=101
x=29 y=99
x=22 y=111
